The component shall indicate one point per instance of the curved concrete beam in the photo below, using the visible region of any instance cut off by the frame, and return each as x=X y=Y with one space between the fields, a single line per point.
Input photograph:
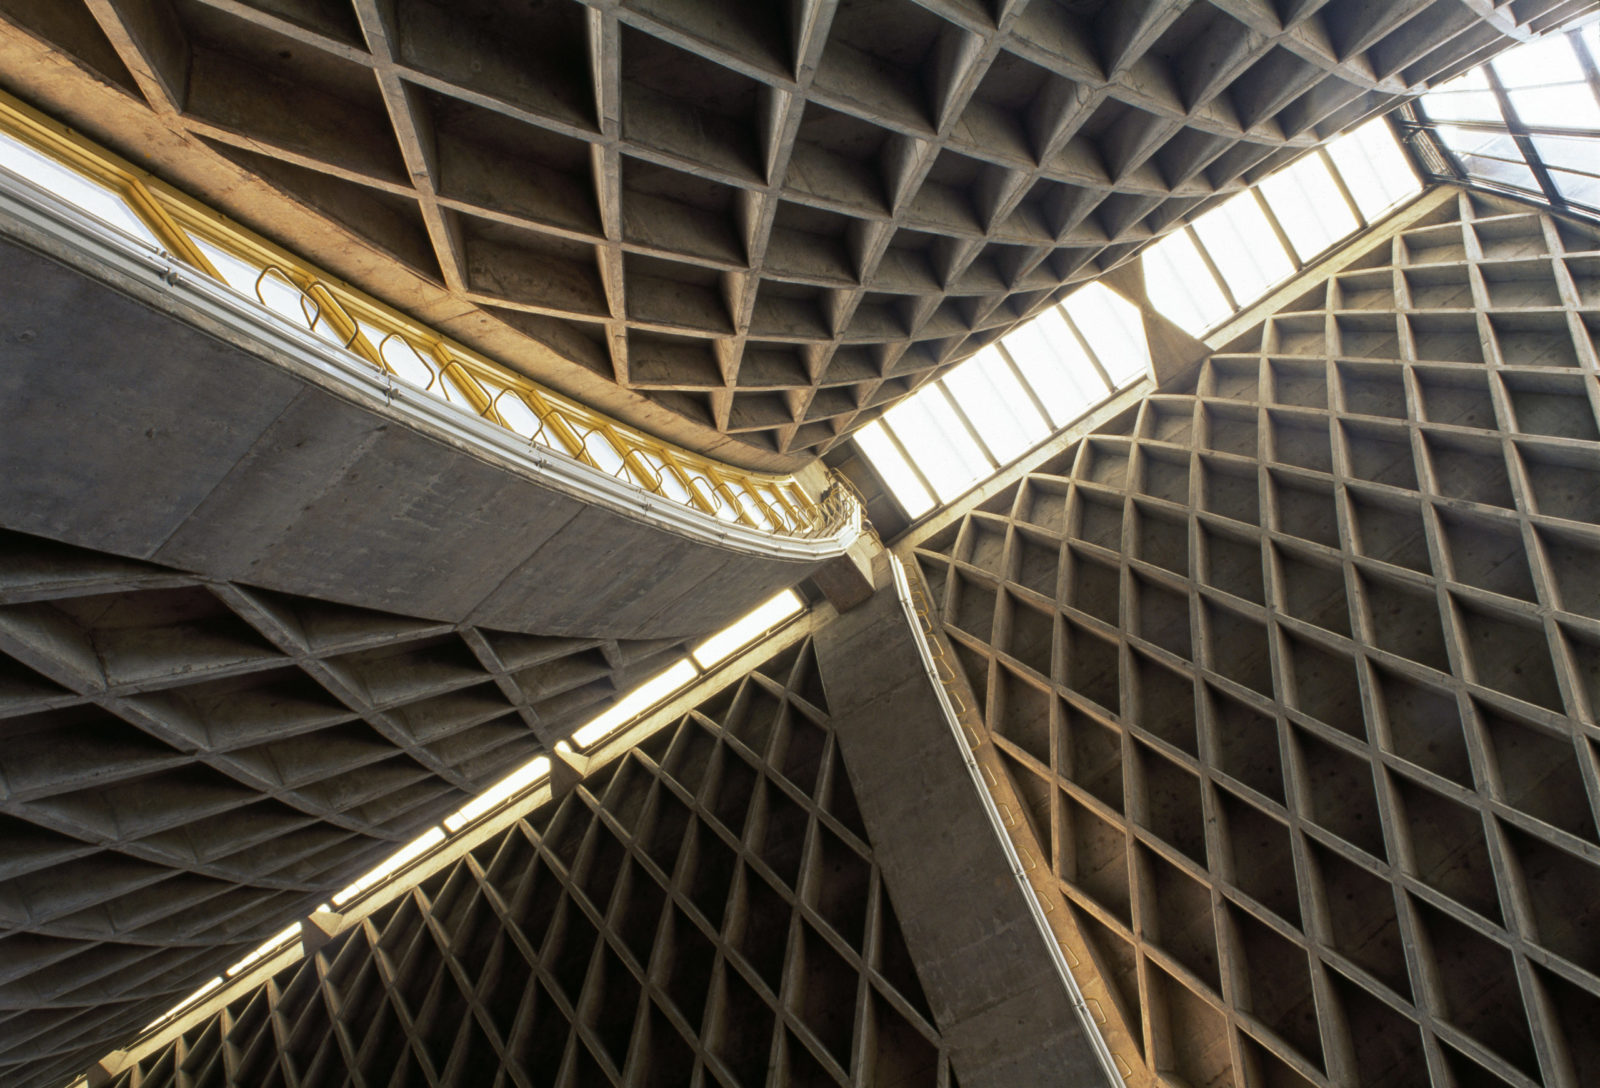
x=144 y=419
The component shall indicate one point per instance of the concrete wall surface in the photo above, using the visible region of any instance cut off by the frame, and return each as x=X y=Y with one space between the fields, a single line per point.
x=140 y=432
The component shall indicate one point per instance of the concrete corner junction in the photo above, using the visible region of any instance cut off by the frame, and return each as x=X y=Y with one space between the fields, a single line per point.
x=1246 y=738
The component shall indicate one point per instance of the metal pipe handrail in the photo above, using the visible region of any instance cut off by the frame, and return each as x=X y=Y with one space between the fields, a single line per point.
x=362 y=327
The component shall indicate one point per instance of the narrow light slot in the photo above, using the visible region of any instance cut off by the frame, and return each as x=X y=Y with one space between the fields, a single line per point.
x=398 y=860
x=185 y=1003
x=265 y=949
x=637 y=701
x=745 y=630
x=512 y=784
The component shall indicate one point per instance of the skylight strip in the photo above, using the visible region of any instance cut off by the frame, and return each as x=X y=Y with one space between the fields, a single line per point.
x=765 y=620
x=966 y=423
x=1547 y=94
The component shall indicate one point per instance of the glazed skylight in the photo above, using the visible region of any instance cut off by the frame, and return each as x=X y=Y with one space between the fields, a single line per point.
x=1010 y=396
x=1041 y=376
x=1204 y=273
x=1525 y=123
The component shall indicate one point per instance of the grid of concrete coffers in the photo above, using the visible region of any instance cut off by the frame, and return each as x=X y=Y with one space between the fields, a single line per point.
x=705 y=911
x=189 y=765
x=772 y=220
x=1296 y=672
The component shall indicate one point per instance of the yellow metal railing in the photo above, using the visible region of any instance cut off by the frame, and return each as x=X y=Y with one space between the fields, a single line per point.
x=395 y=345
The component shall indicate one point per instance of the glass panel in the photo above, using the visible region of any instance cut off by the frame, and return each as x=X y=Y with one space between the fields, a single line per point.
x=235 y=271
x=1465 y=98
x=1566 y=105
x=933 y=436
x=1374 y=168
x=1243 y=246
x=1055 y=365
x=1515 y=174
x=400 y=356
x=1309 y=206
x=897 y=475
x=997 y=405
x=605 y=454
x=1115 y=332
x=752 y=508
x=518 y=416
x=1181 y=286
x=61 y=181
x=1480 y=142
x=1578 y=188
x=1570 y=152
x=1537 y=63
x=671 y=486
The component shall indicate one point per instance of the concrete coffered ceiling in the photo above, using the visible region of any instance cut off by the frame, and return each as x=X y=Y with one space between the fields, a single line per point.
x=746 y=227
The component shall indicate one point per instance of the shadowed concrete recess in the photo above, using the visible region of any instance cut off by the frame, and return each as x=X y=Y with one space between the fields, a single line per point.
x=707 y=910
x=190 y=764
x=1295 y=672
x=747 y=227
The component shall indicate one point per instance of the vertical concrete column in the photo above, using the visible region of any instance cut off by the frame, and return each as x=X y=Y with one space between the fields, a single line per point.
x=982 y=960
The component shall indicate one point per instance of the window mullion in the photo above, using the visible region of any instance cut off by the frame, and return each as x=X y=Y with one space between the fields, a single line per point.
x=1088 y=350
x=1277 y=230
x=911 y=463
x=1519 y=134
x=972 y=431
x=1027 y=386
x=1344 y=190
x=1211 y=266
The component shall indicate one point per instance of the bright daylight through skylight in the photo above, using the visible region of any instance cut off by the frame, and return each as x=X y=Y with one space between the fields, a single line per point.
x=1055 y=368
x=705 y=657
x=1203 y=273
x=1527 y=122
x=1008 y=397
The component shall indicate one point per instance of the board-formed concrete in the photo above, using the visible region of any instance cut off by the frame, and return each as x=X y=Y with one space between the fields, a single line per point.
x=136 y=424
x=1006 y=1015
x=746 y=226
x=1295 y=670
x=708 y=910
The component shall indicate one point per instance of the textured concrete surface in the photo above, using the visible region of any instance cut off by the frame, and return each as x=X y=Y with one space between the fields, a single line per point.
x=749 y=227
x=138 y=433
x=1002 y=1009
x=1295 y=672
x=190 y=764
x=707 y=910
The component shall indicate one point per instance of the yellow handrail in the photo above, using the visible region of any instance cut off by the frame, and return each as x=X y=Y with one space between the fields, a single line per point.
x=361 y=325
